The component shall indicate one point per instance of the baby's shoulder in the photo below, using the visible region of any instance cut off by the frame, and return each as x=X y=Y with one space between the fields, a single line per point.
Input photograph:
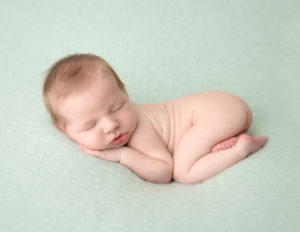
x=153 y=113
x=145 y=135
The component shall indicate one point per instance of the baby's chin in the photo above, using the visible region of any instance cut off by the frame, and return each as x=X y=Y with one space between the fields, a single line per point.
x=95 y=148
x=107 y=147
x=115 y=146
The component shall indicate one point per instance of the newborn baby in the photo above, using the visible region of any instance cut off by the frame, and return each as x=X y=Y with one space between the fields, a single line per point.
x=188 y=139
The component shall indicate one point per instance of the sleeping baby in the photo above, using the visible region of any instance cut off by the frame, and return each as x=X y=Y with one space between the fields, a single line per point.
x=187 y=139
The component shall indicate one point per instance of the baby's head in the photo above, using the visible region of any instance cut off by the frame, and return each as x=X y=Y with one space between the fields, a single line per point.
x=88 y=102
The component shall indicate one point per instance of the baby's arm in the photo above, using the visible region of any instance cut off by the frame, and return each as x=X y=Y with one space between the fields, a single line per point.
x=149 y=157
x=146 y=155
x=145 y=166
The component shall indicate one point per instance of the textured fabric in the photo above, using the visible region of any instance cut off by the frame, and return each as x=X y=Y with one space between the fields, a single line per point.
x=161 y=50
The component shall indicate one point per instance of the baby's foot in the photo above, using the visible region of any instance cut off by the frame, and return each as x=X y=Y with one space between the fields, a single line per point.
x=250 y=144
x=225 y=144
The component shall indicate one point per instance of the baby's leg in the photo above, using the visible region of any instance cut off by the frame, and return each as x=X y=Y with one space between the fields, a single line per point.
x=208 y=164
x=194 y=161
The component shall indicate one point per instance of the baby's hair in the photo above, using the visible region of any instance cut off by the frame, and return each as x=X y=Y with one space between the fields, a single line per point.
x=69 y=75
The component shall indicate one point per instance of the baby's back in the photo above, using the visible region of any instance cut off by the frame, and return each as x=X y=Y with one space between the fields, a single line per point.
x=171 y=119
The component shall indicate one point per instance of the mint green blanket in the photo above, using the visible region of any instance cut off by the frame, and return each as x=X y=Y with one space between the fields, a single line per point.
x=161 y=50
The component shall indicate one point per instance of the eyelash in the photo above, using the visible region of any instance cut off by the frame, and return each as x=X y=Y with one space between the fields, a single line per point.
x=90 y=127
x=118 y=108
x=113 y=110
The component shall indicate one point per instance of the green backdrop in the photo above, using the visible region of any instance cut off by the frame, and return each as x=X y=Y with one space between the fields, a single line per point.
x=161 y=50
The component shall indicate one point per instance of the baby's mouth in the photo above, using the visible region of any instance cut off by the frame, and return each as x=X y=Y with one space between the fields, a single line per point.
x=120 y=139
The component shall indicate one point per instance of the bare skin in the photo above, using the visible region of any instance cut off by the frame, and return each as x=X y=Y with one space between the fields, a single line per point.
x=188 y=139
x=201 y=131
x=228 y=143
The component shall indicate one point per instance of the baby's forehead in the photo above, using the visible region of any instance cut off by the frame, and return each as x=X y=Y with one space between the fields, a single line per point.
x=102 y=91
x=96 y=84
x=84 y=82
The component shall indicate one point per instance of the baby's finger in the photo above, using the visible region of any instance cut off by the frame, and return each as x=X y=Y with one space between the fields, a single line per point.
x=89 y=151
x=93 y=152
x=81 y=147
x=105 y=155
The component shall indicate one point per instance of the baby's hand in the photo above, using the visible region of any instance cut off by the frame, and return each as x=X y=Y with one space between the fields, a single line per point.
x=113 y=155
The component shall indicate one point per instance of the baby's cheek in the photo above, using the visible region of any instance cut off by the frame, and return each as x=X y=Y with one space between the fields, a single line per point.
x=129 y=117
x=90 y=141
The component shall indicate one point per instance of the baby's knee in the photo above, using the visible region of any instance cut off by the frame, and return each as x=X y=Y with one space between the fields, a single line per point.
x=179 y=177
x=178 y=172
x=183 y=176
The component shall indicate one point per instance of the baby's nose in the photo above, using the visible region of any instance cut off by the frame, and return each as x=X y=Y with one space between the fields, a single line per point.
x=110 y=125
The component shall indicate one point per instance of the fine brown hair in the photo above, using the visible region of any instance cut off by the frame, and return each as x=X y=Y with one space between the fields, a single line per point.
x=70 y=75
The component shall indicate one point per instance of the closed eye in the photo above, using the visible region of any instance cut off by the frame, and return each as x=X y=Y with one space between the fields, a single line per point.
x=91 y=126
x=118 y=107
